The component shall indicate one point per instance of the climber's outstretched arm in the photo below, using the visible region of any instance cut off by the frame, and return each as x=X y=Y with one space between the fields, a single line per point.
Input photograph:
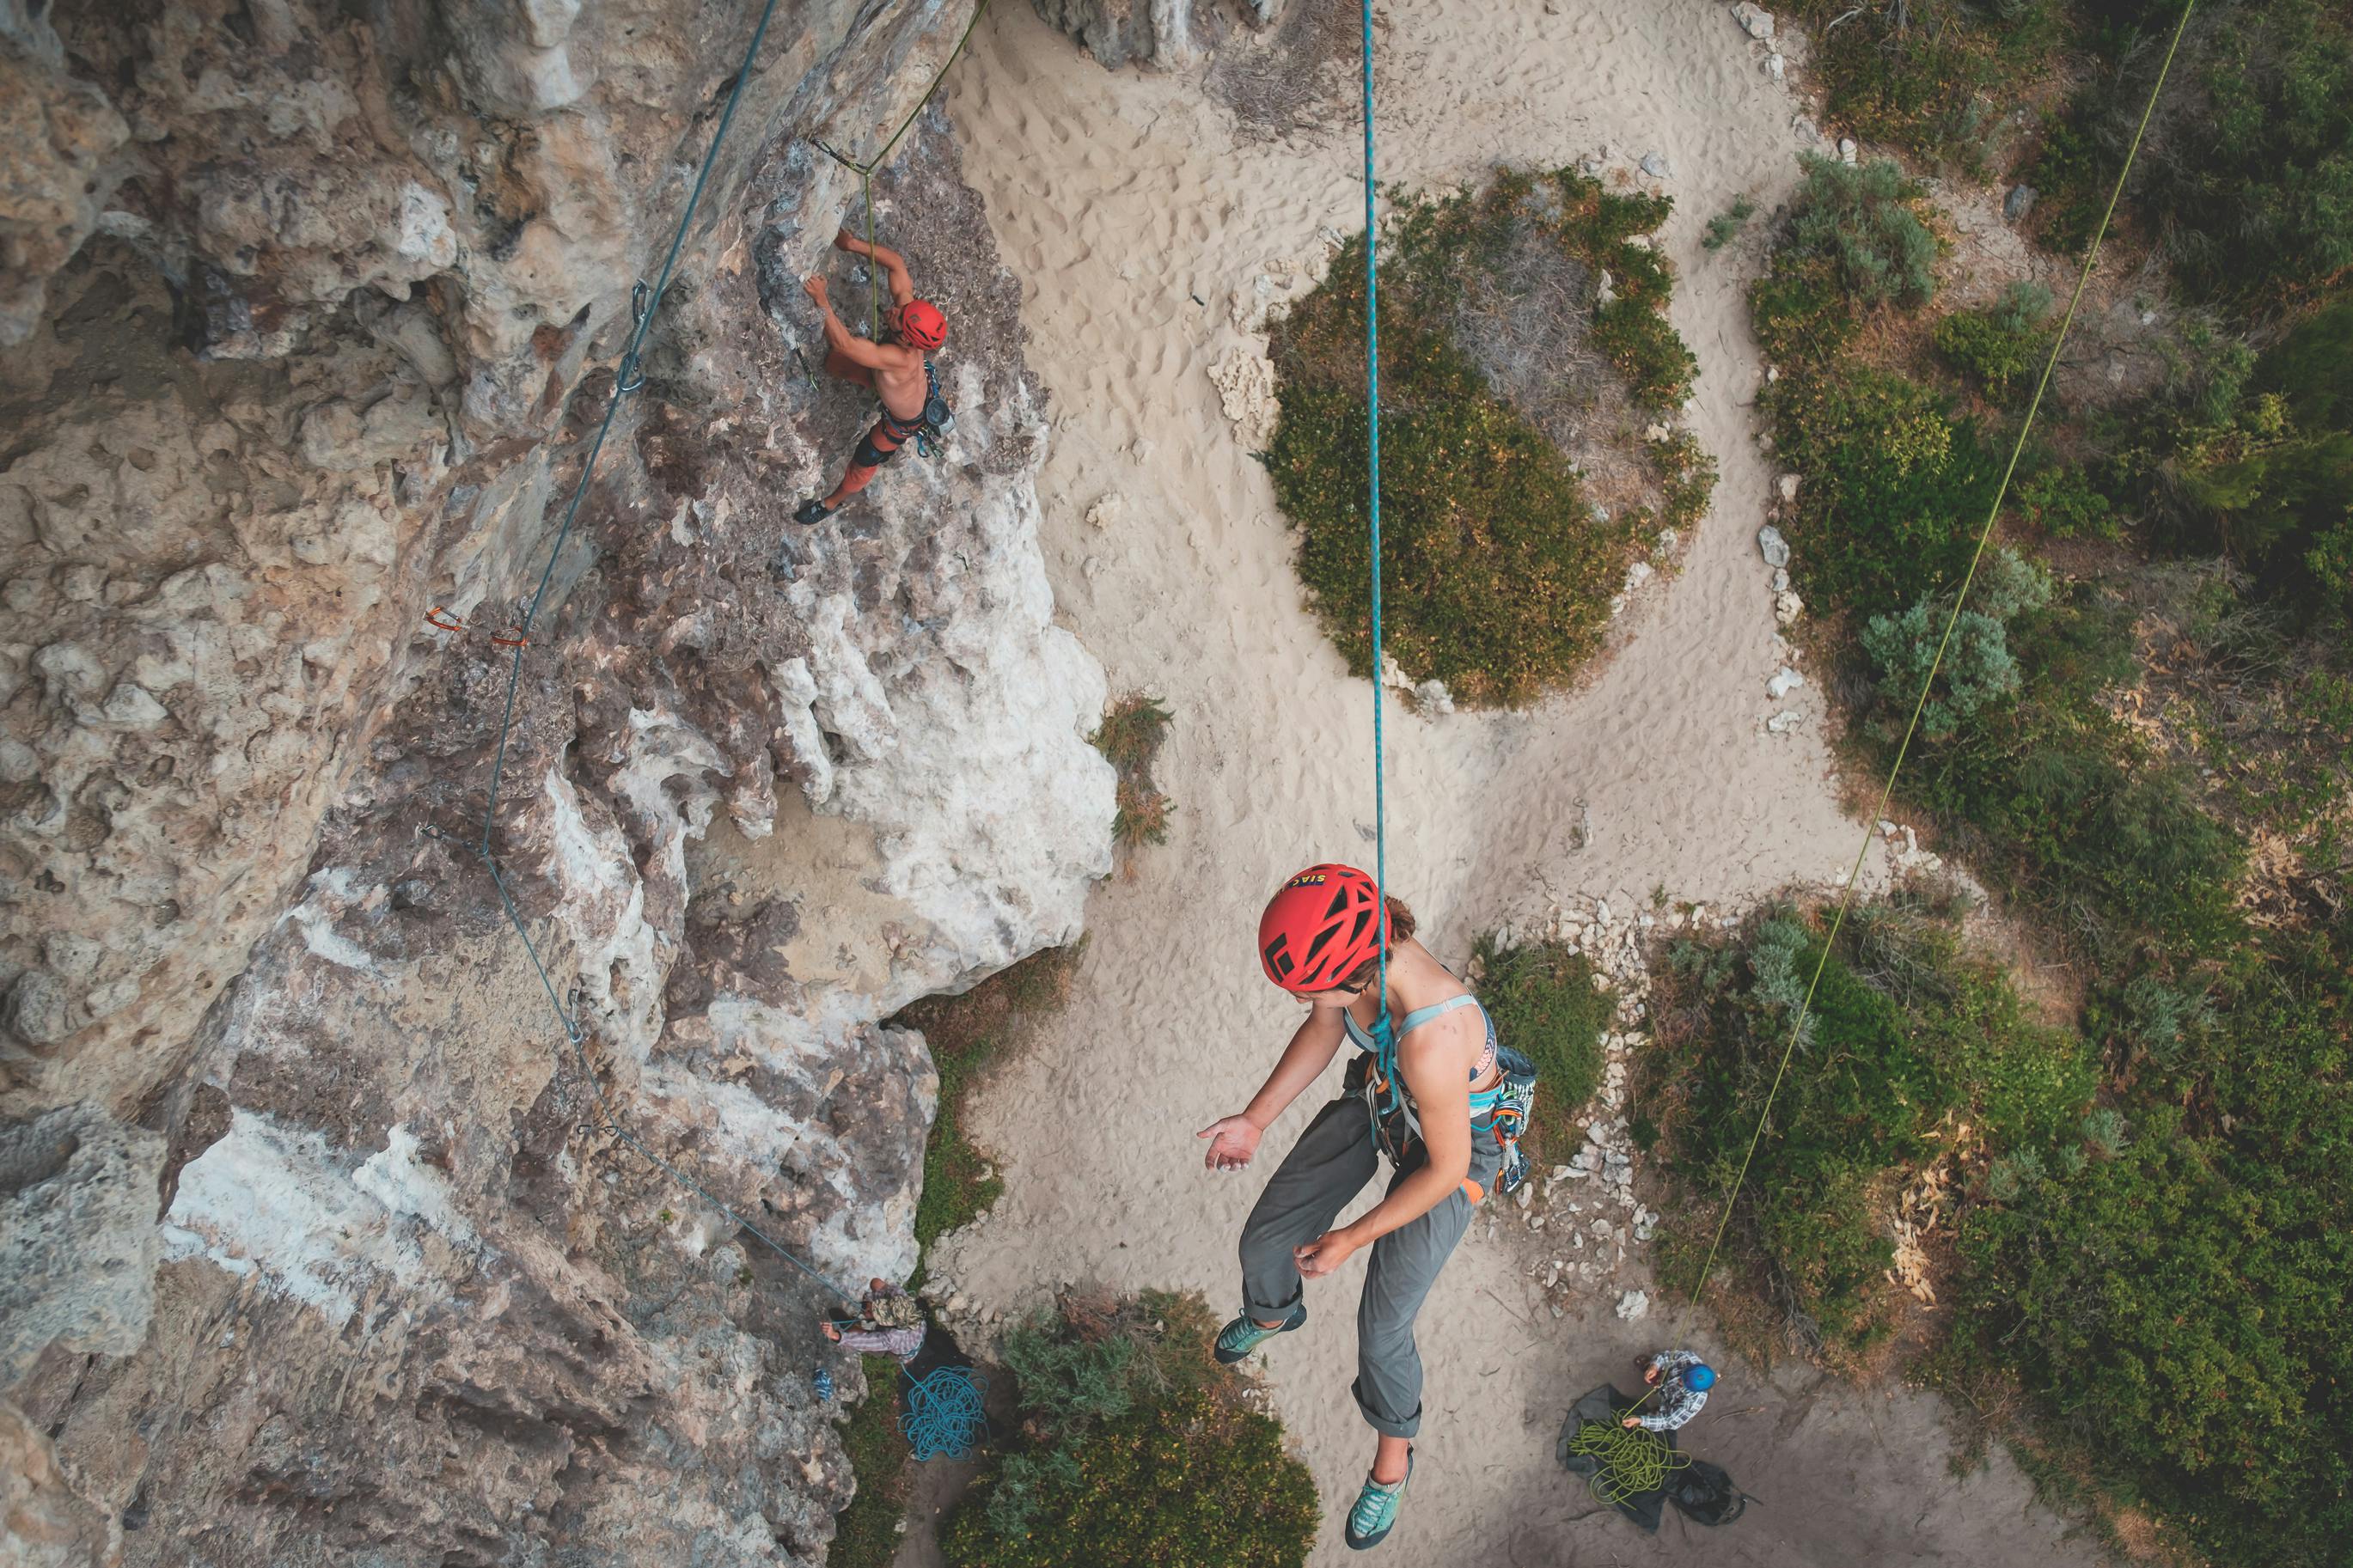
x=893 y=265
x=857 y=351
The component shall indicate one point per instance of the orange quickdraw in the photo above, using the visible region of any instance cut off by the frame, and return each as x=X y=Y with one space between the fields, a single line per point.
x=513 y=637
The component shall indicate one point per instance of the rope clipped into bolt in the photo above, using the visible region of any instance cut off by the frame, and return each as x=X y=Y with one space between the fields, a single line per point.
x=1632 y=1459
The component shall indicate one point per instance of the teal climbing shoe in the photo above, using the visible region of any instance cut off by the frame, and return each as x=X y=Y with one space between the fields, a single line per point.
x=1241 y=1336
x=1375 y=1515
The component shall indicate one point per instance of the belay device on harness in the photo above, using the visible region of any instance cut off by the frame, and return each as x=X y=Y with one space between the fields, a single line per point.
x=1395 y=1118
x=938 y=417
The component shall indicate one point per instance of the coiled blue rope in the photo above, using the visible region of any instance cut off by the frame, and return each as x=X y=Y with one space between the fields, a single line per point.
x=944 y=1417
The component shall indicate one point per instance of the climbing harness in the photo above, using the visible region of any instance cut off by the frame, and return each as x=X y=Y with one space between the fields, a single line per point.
x=931 y=433
x=1631 y=1460
x=944 y=1417
x=1854 y=880
x=1394 y=1115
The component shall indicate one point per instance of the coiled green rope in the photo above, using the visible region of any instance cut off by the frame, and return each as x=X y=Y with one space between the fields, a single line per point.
x=1633 y=1459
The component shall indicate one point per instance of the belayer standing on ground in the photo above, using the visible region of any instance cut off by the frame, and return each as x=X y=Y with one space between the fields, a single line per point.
x=1681 y=1381
x=899 y=369
x=889 y=1322
x=1433 y=1092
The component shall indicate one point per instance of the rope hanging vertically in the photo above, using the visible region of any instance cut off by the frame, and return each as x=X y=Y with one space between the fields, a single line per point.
x=1902 y=750
x=1373 y=489
x=865 y=172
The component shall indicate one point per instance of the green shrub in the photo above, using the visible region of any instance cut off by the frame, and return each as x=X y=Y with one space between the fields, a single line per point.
x=1905 y=1032
x=1852 y=242
x=1895 y=487
x=2057 y=802
x=1135 y=1449
x=1727 y=225
x=1545 y=1005
x=2001 y=346
x=2248 y=164
x=1976 y=667
x=2270 y=482
x=1920 y=75
x=866 y=1533
x=1132 y=731
x=2063 y=503
x=2254 y=178
x=965 y=1034
x=2179 y=1299
x=1497 y=568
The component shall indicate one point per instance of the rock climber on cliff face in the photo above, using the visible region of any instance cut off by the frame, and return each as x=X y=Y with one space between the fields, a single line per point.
x=898 y=368
x=1433 y=1092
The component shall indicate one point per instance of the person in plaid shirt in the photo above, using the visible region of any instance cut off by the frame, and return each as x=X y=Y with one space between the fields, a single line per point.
x=890 y=1323
x=1682 y=1380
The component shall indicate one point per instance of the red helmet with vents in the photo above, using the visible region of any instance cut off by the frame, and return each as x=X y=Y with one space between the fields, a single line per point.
x=922 y=324
x=1321 y=928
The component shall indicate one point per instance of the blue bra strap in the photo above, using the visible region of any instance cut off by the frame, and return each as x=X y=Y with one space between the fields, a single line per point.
x=1421 y=1016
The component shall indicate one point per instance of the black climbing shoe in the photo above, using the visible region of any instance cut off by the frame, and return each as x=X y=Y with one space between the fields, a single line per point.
x=813 y=512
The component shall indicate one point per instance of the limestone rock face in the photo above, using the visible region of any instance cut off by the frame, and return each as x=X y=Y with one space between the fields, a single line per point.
x=1161 y=34
x=76 y=1235
x=326 y=355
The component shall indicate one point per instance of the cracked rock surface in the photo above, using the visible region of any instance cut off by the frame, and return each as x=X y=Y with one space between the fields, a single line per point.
x=307 y=316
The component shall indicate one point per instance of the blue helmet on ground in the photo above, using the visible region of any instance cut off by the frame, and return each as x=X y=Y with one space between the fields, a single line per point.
x=1702 y=1378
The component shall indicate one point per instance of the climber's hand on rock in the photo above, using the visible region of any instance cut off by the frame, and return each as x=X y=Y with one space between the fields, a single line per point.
x=814 y=287
x=1323 y=1255
x=844 y=240
x=1234 y=1140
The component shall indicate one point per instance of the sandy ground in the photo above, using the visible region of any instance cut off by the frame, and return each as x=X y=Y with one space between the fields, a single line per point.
x=1122 y=200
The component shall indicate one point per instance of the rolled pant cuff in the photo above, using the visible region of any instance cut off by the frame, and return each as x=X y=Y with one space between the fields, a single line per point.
x=1279 y=1313
x=1408 y=1428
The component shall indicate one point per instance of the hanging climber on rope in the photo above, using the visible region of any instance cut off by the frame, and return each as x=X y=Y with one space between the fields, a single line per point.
x=898 y=368
x=1432 y=1091
x=1680 y=1382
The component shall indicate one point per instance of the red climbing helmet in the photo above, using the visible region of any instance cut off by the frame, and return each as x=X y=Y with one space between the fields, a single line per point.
x=921 y=324
x=1321 y=928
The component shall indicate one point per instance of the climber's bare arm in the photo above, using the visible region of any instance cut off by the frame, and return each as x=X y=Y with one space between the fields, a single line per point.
x=857 y=351
x=893 y=265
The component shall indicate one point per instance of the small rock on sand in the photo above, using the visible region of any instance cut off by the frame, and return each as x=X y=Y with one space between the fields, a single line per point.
x=1754 y=19
x=1785 y=680
x=1655 y=164
x=2018 y=203
x=1633 y=1304
x=1775 y=548
x=1789 y=487
x=1846 y=150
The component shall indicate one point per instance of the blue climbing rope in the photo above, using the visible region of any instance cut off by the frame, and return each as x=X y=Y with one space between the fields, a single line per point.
x=628 y=376
x=944 y=1418
x=1373 y=481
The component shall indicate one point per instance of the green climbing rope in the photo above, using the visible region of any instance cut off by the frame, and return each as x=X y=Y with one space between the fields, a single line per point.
x=1854 y=880
x=1631 y=1459
x=865 y=171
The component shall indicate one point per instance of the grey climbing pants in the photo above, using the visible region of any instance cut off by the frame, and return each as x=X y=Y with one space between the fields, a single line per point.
x=1329 y=1165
